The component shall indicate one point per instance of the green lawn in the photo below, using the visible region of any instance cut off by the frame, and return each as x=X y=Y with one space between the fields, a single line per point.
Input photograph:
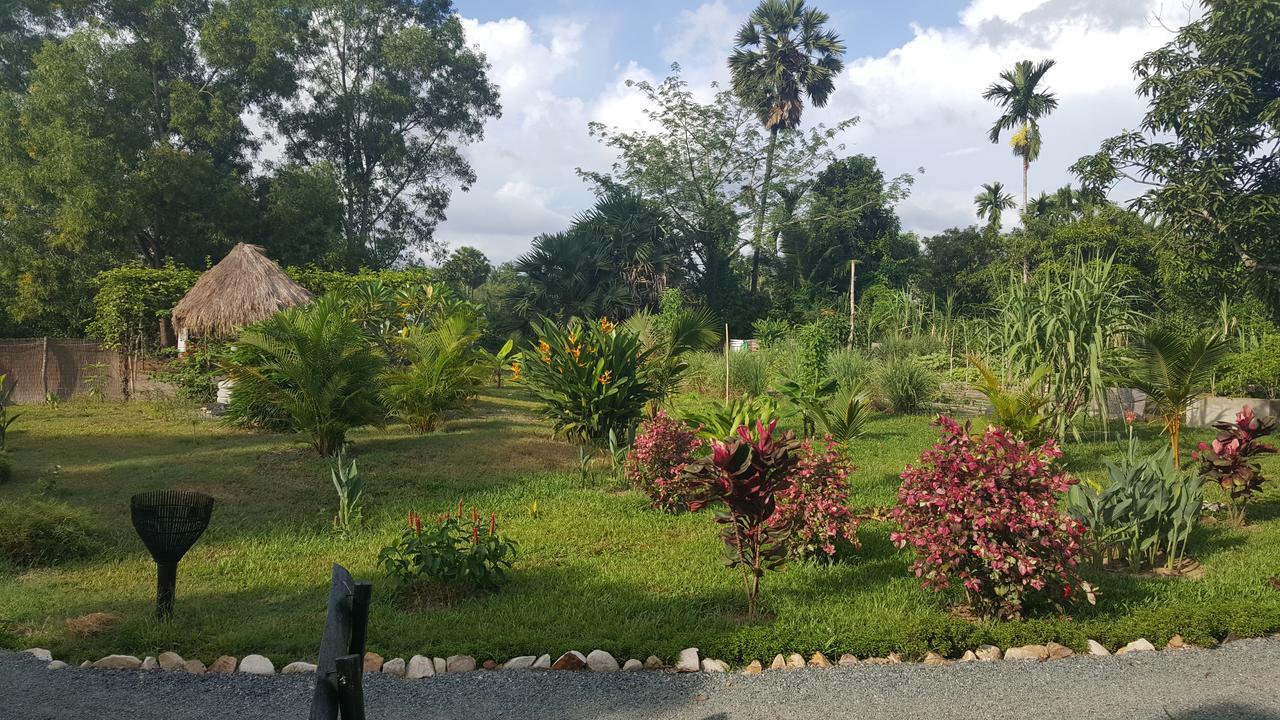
x=596 y=567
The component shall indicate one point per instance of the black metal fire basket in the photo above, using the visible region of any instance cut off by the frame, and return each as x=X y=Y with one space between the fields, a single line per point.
x=169 y=523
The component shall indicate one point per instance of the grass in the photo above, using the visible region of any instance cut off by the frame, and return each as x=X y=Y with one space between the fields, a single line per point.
x=596 y=567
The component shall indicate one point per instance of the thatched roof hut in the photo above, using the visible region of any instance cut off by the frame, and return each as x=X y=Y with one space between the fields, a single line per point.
x=245 y=287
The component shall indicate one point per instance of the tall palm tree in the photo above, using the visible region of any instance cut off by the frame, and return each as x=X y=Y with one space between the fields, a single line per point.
x=1023 y=103
x=992 y=202
x=1173 y=370
x=782 y=54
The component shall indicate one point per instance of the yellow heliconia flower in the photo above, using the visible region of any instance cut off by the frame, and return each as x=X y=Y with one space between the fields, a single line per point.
x=605 y=325
x=544 y=349
x=515 y=372
x=606 y=377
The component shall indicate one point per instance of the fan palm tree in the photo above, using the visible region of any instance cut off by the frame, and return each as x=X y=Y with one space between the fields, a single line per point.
x=1024 y=103
x=313 y=366
x=992 y=202
x=1173 y=370
x=445 y=367
x=568 y=274
x=782 y=55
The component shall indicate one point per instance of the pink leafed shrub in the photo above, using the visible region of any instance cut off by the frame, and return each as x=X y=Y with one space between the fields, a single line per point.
x=656 y=462
x=814 y=508
x=983 y=512
x=744 y=477
x=1231 y=460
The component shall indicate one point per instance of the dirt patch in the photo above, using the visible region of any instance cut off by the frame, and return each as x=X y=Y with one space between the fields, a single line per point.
x=92 y=624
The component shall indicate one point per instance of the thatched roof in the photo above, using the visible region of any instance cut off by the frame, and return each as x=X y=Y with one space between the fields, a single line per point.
x=244 y=288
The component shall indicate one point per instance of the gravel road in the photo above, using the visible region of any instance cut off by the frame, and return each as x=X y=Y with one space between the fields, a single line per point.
x=1239 y=681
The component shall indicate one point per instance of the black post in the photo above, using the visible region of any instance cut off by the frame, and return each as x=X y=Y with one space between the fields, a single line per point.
x=166 y=587
x=340 y=666
x=350 y=675
x=360 y=595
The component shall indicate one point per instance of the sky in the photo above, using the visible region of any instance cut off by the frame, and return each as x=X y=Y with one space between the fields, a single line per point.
x=914 y=75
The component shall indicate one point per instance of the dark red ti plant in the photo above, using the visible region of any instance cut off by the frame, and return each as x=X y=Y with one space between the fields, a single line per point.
x=1230 y=460
x=745 y=474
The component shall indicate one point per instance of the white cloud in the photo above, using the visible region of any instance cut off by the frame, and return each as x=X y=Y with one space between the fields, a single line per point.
x=920 y=105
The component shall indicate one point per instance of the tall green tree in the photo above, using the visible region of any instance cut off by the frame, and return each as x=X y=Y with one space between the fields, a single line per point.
x=126 y=142
x=566 y=275
x=963 y=263
x=1206 y=153
x=848 y=215
x=991 y=204
x=1022 y=103
x=466 y=268
x=696 y=165
x=300 y=215
x=388 y=93
x=782 y=55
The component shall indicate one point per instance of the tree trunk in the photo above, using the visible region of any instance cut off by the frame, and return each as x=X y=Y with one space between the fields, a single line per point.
x=1026 y=205
x=1026 y=170
x=763 y=202
x=853 y=308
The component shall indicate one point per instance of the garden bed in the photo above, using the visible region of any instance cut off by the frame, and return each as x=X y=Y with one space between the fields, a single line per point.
x=596 y=567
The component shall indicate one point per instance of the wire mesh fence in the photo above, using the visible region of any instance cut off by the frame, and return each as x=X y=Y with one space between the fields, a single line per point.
x=40 y=369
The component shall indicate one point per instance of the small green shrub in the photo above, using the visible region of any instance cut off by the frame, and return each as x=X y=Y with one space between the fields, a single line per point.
x=906 y=385
x=850 y=369
x=1021 y=412
x=312 y=365
x=845 y=415
x=771 y=332
x=705 y=373
x=748 y=373
x=781 y=362
x=6 y=467
x=1146 y=511
x=444 y=366
x=195 y=374
x=716 y=420
x=349 y=485
x=905 y=347
x=459 y=552
x=590 y=378
x=35 y=532
x=1255 y=373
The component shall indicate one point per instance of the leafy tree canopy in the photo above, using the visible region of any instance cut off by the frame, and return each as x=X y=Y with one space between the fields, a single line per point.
x=1206 y=151
x=388 y=92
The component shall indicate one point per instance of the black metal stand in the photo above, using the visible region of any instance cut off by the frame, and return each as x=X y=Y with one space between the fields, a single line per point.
x=166 y=587
x=340 y=678
x=169 y=523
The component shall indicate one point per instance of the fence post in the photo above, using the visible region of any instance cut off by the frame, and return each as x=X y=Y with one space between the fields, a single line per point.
x=44 y=366
x=727 y=350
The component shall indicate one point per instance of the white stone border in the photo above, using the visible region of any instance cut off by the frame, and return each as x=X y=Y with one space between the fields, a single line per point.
x=421 y=666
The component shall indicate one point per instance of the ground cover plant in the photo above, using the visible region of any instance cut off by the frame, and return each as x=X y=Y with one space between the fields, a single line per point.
x=596 y=567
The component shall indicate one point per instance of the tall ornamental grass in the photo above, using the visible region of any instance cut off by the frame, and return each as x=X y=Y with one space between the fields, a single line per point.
x=1074 y=323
